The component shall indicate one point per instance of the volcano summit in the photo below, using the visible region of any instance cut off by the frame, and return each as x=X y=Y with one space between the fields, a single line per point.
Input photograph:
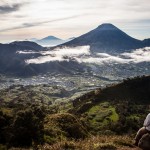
x=106 y=38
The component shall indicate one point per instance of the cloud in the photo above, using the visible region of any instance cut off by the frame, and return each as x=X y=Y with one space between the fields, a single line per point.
x=45 y=59
x=82 y=54
x=4 y=9
x=139 y=55
x=105 y=60
x=70 y=52
x=27 y=25
x=64 y=54
x=27 y=52
x=131 y=16
x=136 y=56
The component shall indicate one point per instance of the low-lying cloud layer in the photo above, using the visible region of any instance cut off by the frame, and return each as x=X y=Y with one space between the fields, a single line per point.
x=139 y=55
x=64 y=54
x=83 y=55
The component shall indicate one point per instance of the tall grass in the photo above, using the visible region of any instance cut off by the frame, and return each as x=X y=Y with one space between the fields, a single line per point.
x=93 y=143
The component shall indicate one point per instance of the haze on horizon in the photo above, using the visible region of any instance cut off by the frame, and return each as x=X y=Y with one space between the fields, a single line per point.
x=25 y=19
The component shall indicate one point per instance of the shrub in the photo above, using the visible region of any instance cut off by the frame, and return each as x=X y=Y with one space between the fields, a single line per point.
x=2 y=147
x=28 y=127
x=69 y=145
x=64 y=125
x=106 y=146
x=23 y=129
x=124 y=143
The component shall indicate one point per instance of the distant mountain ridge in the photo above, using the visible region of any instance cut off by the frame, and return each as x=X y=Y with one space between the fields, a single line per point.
x=11 y=62
x=106 y=38
x=51 y=38
x=146 y=42
x=50 y=41
x=29 y=44
x=14 y=63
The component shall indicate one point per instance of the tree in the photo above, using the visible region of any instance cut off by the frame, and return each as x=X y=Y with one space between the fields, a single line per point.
x=28 y=127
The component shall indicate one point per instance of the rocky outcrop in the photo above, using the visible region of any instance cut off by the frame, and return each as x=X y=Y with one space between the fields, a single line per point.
x=144 y=143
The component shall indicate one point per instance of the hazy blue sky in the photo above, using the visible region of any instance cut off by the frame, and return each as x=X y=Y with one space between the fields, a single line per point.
x=24 y=19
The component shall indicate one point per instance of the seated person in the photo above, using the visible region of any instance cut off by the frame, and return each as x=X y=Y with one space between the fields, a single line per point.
x=145 y=129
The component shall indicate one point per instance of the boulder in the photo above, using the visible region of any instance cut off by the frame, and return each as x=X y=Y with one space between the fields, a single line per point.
x=144 y=143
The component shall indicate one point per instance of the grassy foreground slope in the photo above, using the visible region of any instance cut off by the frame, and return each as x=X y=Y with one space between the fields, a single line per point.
x=119 y=108
x=98 y=120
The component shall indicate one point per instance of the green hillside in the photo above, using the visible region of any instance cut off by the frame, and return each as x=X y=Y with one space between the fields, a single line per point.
x=31 y=117
x=119 y=108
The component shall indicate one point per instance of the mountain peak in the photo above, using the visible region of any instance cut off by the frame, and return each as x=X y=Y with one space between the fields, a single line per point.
x=107 y=26
x=106 y=38
x=51 y=38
